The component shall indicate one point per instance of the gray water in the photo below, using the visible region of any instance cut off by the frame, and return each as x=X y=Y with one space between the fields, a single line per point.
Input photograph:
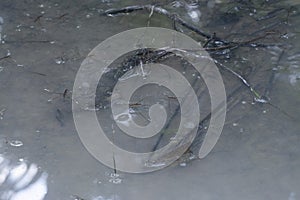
x=42 y=46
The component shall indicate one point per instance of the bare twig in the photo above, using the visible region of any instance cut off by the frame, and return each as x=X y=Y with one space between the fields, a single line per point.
x=159 y=10
x=113 y=157
x=271 y=14
x=38 y=18
x=233 y=45
x=62 y=16
x=37 y=73
x=28 y=41
x=5 y=57
x=220 y=43
x=257 y=96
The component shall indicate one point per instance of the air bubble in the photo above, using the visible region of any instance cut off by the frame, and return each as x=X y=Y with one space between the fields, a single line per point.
x=59 y=60
x=115 y=178
x=182 y=164
x=16 y=143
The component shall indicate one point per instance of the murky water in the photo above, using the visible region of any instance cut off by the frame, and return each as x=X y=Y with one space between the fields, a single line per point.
x=41 y=156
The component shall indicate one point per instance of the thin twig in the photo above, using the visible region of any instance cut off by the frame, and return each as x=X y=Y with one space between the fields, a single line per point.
x=271 y=14
x=209 y=40
x=37 y=73
x=223 y=44
x=233 y=45
x=38 y=18
x=159 y=10
x=257 y=96
x=271 y=79
x=62 y=16
x=5 y=57
x=113 y=157
x=28 y=41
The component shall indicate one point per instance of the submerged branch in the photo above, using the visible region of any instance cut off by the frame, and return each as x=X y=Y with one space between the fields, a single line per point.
x=257 y=97
x=174 y=17
x=217 y=43
x=212 y=43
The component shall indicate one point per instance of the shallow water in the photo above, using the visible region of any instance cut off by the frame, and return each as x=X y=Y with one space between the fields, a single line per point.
x=42 y=47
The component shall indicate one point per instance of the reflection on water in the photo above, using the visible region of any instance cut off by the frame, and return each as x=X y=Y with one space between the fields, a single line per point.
x=42 y=47
x=21 y=181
